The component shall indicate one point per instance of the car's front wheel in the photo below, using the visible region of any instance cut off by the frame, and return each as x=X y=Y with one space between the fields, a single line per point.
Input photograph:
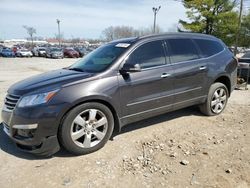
x=216 y=100
x=86 y=128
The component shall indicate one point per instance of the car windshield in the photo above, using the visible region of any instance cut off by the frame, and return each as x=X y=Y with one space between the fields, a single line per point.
x=101 y=58
x=56 y=50
x=246 y=55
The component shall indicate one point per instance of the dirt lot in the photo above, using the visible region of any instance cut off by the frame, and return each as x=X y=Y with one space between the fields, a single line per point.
x=178 y=149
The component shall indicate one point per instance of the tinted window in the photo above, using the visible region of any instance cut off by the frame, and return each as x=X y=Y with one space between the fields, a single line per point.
x=148 y=55
x=209 y=47
x=182 y=50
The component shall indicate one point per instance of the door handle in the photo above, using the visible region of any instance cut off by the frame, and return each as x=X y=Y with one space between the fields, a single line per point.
x=203 y=67
x=165 y=75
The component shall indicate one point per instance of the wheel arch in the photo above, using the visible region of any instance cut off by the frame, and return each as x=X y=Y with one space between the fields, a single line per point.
x=117 y=123
x=226 y=81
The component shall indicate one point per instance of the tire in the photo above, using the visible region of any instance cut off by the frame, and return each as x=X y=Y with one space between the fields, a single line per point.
x=86 y=128
x=216 y=100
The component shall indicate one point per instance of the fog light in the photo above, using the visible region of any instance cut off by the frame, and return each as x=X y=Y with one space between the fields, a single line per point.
x=29 y=126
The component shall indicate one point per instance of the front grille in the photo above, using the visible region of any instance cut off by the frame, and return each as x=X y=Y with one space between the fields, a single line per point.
x=11 y=101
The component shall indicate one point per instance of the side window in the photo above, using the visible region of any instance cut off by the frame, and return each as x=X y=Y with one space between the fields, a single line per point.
x=208 y=47
x=147 y=55
x=182 y=50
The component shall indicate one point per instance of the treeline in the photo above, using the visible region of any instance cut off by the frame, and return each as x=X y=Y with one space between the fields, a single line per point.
x=214 y=17
x=117 y=32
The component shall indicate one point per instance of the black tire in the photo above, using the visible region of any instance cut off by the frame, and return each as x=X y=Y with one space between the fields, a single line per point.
x=206 y=108
x=65 y=129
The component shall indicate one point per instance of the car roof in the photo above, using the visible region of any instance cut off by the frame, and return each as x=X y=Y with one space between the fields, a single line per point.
x=165 y=35
x=179 y=34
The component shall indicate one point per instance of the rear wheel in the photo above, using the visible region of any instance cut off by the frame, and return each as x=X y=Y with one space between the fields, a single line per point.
x=86 y=128
x=216 y=100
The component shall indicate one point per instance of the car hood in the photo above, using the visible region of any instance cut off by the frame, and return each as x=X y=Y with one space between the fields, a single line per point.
x=50 y=81
x=7 y=52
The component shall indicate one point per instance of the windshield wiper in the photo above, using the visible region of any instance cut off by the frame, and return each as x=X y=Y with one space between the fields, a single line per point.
x=76 y=69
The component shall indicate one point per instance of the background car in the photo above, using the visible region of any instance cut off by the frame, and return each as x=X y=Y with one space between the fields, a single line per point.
x=243 y=72
x=70 y=52
x=7 y=53
x=54 y=53
x=39 y=52
x=81 y=51
x=24 y=53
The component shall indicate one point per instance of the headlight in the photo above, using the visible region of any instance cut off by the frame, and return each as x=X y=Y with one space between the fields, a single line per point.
x=36 y=99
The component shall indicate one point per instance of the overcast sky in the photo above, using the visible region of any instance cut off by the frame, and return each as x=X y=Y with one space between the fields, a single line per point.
x=83 y=18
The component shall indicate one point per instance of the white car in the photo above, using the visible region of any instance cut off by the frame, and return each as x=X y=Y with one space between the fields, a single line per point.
x=39 y=51
x=24 y=53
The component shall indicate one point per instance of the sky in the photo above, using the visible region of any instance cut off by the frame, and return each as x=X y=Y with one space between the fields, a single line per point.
x=83 y=18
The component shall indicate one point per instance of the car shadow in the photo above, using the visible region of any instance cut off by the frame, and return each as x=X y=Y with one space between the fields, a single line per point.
x=9 y=147
x=193 y=110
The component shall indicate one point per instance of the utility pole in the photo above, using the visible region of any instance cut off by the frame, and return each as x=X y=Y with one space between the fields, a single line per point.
x=238 y=28
x=59 y=34
x=155 y=10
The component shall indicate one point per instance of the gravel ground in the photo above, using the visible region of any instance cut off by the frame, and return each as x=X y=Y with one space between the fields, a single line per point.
x=177 y=149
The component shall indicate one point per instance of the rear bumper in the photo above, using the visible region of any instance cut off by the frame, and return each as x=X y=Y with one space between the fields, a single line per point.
x=34 y=130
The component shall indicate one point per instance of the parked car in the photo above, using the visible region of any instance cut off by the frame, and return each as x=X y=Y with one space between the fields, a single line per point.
x=81 y=51
x=244 y=59
x=54 y=53
x=24 y=53
x=6 y=52
x=70 y=52
x=14 y=49
x=39 y=52
x=124 y=81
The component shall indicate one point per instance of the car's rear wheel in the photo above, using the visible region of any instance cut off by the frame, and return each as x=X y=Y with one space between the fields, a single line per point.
x=86 y=128
x=216 y=100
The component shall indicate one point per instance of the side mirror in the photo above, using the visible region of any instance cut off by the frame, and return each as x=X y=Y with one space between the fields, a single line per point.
x=130 y=68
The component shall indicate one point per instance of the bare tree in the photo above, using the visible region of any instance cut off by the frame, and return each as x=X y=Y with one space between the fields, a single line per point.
x=149 y=30
x=117 y=32
x=109 y=33
x=75 y=41
x=31 y=31
x=61 y=37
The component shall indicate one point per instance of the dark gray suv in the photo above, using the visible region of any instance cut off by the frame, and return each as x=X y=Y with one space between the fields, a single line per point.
x=121 y=82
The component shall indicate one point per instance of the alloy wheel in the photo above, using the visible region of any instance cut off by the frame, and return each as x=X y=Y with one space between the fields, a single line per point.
x=219 y=100
x=89 y=128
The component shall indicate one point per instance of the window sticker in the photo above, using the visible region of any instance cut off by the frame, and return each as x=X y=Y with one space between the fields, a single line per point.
x=122 y=45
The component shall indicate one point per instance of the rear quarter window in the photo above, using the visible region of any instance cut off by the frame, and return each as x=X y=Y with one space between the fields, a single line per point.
x=208 y=47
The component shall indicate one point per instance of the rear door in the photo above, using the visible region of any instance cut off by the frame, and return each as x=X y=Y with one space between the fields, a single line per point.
x=189 y=74
x=151 y=89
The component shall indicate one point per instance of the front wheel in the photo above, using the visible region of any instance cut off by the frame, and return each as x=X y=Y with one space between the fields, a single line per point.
x=216 y=100
x=86 y=128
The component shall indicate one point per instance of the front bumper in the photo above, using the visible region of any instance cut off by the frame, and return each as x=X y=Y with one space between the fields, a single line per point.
x=33 y=129
x=57 y=55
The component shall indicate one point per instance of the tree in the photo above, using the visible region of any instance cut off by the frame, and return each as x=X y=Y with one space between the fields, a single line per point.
x=31 y=31
x=75 y=41
x=215 y=17
x=117 y=32
x=244 y=39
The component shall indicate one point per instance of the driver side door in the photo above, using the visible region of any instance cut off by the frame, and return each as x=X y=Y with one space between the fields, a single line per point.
x=149 y=91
